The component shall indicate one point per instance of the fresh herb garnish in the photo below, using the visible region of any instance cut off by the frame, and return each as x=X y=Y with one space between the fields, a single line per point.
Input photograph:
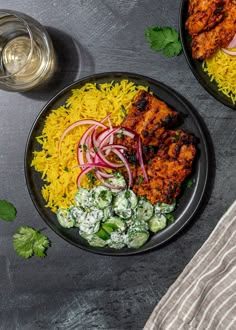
x=103 y=195
x=124 y=110
x=91 y=177
x=140 y=179
x=176 y=137
x=170 y=217
x=85 y=147
x=127 y=194
x=7 y=211
x=120 y=134
x=28 y=241
x=189 y=183
x=95 y=149
x=66 y=169
x=164 y=39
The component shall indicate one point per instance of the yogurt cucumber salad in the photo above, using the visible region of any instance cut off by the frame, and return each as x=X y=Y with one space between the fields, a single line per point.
x=114 y=218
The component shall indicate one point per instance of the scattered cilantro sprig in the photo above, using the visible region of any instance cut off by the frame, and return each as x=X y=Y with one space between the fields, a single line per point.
x=164 y=39
x=7 y=210
x=28 y=241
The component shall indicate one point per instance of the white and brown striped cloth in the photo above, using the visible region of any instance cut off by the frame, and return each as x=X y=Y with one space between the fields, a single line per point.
x=204 y=295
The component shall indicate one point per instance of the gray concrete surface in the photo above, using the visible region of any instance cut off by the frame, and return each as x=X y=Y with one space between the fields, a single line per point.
x=71 y=288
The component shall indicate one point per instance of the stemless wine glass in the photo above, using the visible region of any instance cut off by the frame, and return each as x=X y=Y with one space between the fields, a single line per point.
x=27 y=57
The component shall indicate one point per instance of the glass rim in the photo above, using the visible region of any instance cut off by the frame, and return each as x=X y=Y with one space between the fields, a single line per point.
x=18 y=16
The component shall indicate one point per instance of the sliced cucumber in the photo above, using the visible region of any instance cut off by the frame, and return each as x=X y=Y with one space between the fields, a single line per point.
x=96 y=214
x=91 y=223
x=144 y=210
x=115 y=223
x=121 y=206
x=109 y=228
x=108 y=212
x=132 y=198
x=124 y=202
x=102 y=234
x=137 y=238
x=164 y=208
x=139 y=225
x=78 y=214
x=85 y=235
x=83 y=198
x=65 y=218
x=117 y=181
x=157 y=223
x=117 y=240
x=97 y=241
x=102 y=197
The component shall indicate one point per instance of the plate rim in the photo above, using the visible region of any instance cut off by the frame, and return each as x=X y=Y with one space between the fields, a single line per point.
x=190 y=61
x=198 y=121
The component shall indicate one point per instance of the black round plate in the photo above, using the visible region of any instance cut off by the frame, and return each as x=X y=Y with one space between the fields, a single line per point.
x=188 y=203
x=195 y=65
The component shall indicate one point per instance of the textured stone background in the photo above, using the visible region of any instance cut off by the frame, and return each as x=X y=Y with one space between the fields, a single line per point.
x=71 y=288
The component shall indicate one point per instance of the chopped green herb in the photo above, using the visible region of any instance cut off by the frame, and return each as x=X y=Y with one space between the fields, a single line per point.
x=124 y=110
x=127 y=194
x=170 y=217
x=176 y=137
x=164 y=39
x=140 y=179
x=103 y=195
x=95 y=149
x=85 y=147
x=7 y=211
x=48 y=156
x=189 y=183
x=120 y=134
x=91 y=177
x=66 y=169
x=28 y=242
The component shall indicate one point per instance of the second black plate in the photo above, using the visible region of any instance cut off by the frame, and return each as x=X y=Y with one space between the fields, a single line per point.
x=195 y=65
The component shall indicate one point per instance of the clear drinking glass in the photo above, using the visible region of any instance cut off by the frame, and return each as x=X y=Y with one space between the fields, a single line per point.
x=27 y=57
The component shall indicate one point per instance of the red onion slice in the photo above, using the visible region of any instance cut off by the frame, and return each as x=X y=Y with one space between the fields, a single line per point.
x=126 y=164
x=79 y=123
x=229 y=52
x=140 y=158
x=232 y=43
x=107 y=184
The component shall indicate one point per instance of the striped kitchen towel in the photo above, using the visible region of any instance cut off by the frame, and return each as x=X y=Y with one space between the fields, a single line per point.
x=204 y=296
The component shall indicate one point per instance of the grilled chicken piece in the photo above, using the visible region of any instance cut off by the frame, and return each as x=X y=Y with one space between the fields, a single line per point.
x=168 y=169
x=204 y=15
x=206 y=43
x=149 y=117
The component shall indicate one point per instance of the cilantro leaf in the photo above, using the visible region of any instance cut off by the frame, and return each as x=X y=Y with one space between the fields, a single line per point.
x=170 y=217
x=40 y=245
x=28 y=242
x=7 y=211
x=189 y=183
x=172 y=49
x=164 y=39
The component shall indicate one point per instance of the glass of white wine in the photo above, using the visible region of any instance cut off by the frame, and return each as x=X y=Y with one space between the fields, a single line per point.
x=27 y=57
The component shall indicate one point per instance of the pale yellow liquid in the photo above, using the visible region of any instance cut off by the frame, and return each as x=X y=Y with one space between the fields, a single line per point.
x=26 y=70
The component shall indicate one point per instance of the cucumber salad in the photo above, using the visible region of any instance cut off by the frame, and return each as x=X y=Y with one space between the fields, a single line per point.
x=113 y=217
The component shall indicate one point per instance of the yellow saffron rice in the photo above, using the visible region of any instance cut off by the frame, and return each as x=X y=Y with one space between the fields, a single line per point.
x=221 y=68
x=59 y=173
